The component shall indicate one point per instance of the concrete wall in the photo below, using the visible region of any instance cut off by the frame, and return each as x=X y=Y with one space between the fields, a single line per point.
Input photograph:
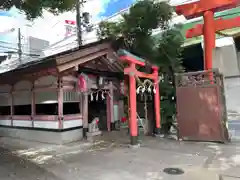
x=225 y=59
x=232 y=93
x=43 y=136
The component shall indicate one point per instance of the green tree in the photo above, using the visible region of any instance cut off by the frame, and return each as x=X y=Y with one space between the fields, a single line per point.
x=134 y=32
x=34 y=8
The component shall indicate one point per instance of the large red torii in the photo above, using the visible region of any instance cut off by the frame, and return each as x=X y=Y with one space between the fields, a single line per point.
x=207 y=9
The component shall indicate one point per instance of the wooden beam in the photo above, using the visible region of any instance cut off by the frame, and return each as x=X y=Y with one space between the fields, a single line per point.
x=135 y=61
x=33 y=106
x=118 y=75
x=219 y=25
x=11 y=105
x=139 y=74
x=76 y=62
x=197 y=9
x=60 y=104
x=85 y=113
x=81 y=53
x=110 y=107
x=109 y=66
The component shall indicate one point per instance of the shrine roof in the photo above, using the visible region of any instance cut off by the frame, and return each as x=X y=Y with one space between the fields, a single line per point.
x=123 y=52
x=95 y=50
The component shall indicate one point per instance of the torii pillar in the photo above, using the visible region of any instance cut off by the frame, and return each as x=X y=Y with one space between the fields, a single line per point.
x=132 y=72
x=207 y=9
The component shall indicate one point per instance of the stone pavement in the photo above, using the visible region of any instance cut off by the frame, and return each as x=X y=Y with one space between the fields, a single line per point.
x=109 y=157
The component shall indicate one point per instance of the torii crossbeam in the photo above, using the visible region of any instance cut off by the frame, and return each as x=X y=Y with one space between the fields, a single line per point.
x=210 y=27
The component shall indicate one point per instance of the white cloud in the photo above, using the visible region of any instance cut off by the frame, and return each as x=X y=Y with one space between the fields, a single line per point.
x=51 y=27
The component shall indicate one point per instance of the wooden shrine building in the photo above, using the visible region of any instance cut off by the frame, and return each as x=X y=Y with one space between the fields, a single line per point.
x=53 y=99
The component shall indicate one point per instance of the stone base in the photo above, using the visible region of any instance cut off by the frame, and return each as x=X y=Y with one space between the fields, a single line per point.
x=91 y=134
x=157 y=131
x=134 y=140
x=134 y=146
x=44 y=136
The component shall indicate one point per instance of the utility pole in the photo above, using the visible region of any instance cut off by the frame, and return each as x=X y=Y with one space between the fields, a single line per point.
x=19 y=45
x=79 y=21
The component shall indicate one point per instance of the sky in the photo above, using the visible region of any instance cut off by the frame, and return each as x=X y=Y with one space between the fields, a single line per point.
x=51 y=27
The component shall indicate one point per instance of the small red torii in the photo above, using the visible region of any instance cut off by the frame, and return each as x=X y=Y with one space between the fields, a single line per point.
x=207 y=9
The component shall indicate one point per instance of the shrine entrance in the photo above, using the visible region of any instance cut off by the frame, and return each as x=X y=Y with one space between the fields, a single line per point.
x=134 y=76
x=97 y=108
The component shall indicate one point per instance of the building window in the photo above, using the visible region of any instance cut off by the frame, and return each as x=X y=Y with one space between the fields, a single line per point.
x=47 y=109
x=46 y=103
x=22 y=109
x=22 y=103
x=71 y=108
x=5 y=110
x=5 y=101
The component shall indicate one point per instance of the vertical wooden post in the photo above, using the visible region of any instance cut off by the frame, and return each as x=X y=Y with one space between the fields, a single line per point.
x=85 y=113
x=11 y=105
x=133 y=106
x=209 y=39
x=110 y=108
x=157 y=103
x=33 y=106
x=60 y=103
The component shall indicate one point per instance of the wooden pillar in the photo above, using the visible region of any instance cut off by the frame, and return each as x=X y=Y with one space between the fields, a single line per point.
x=133 y=107
x=85 y=113
x=120 y=109
x=209 y=39
x=33 y=106
x=11 y=105
x=110 y=108
x=60 y=104
x=157 y=103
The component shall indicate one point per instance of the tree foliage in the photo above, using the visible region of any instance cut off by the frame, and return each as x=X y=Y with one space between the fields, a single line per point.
x=34 y=8
x=135 y=31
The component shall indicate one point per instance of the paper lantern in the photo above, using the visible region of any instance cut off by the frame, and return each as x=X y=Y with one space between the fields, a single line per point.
x=82 y=83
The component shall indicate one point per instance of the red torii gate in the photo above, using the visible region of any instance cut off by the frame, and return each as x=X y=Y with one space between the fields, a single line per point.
x=132 y=72
x=207 y=9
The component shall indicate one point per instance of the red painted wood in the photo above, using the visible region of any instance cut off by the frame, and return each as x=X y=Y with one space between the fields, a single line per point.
x=22 y=117
x=84 y=106
x=135 y=61
x=33 y=107
x=108 y=113
x=139 y=74
x=45 y=117
x=157 y=101
x=219 y=25
x=8 y=117
x=206 y=9
x=209 y=39
x=110 y=106
x=197 y=9
x=72 y=117
x=60 y=103
x=133 y=103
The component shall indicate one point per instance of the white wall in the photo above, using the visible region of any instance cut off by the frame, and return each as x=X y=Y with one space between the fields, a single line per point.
x=225 y=58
